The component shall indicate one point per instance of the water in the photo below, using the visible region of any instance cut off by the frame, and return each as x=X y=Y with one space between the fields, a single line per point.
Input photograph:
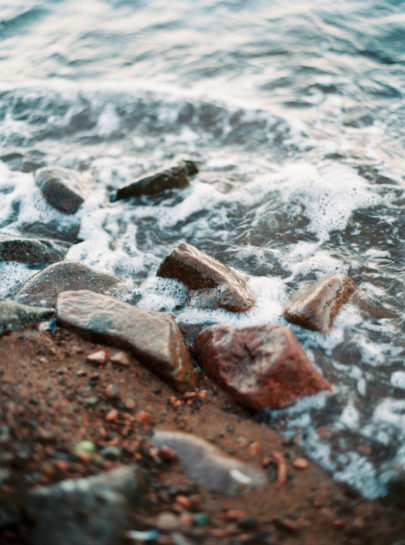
x=295 y=113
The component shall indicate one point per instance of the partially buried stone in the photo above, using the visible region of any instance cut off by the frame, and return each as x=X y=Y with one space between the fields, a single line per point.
x=14 y=317
x=33 y=251
x=214 y=283
x=92 y=510
x=176 y=177
x=63 y=188
x=316 y=305
x=208 y=466
x=43 y=288
x=260 y=366
x=152 y=337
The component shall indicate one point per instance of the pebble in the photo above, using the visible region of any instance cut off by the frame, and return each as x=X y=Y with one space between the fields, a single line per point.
x=112 y=415
x=144 y=418
x=111 y=391
x=111 y=452
x=167 y=522
x=201 y=519
x=120 y=358
x=300 y=463
x=99 y=358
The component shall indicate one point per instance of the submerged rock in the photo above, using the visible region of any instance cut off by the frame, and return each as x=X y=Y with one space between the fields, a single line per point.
x=152 y=337
x=176 y=177
x=52 y=230
x=14 y=317
x=92 y=510
x=43 y=288
x=316 y=305
x=63 y=188
x=260 y=366
x=215 y=284
x=208 y=466
x=33 y=251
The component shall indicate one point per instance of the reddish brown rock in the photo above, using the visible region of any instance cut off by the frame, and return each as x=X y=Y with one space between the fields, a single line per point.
x=316 y=305
x=63 y=188
x=215 y=284
x=152 y=337
x=43 y=288
x=262 y=366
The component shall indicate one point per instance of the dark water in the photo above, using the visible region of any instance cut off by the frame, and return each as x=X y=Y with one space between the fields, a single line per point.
x=296 y=114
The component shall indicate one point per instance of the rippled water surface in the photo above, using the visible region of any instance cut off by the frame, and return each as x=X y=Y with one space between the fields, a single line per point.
x=295 y=113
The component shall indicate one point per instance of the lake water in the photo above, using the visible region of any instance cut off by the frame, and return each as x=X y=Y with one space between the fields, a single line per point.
x=294 y=111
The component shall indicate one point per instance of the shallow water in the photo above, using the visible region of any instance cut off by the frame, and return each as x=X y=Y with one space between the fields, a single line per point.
x=296 y=117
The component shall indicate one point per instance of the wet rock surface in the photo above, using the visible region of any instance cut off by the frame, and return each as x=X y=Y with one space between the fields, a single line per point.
x=64 y=189
x=92 y=510
x=260 y=366
x=176 y=177
x=152 y=337
x=14 y=317
x=214 y=284
x=208 y=466
x=42 y=288
x=316 y=305
x=33 y=251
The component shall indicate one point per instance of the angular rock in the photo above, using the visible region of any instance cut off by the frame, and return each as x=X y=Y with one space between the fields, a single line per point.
x=63 y=188
x=316 y=305
x=152 y=337
x=43 y=288
x=215 y=284
x=260 y=366
x=208 y=466
x=33 y=251
x=92 y=510
x=172 y=178
x=14 y=316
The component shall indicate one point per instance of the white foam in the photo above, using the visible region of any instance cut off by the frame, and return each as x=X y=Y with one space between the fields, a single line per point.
x=398 y=379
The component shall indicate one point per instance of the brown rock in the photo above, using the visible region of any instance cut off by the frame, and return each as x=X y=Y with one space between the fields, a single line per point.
x=63 y=188
x=315 y=305
x=43 y=288
x=216 y=284
x=152 y=337
x=208 y=466
x=33 y=251
x=120 y=358
x=260 y=366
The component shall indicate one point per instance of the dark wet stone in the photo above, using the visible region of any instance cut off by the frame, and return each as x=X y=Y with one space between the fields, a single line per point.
x=172 y=178
x=52 y=230
x=215 y=284
x=63 y=188
x=152 y=337
x=14 y=317
x=92 y=510
x=260 y=366
x=208 y=466
x=316 y=305
x=43 y=288
x=33 y=251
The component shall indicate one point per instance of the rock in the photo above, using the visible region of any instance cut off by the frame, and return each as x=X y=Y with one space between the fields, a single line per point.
x=315 y=305
x=63 y=188
x=120 y=358
x=33 y=251
x=208 y=466
x=43 y=288
x=172 y=178
x=216 y=284
x=260 y=366
x=92 y=510
x=99 y=357
x=152 y=337
x=14 y=317
x=52 y=229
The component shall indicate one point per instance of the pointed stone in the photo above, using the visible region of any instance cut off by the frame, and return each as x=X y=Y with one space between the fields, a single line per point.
x=63 y=188
x=14 y=317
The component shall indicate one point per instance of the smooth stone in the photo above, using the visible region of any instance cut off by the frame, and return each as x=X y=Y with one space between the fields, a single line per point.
x=63 y=188
x=43 y=288
x=33 y=251
x=14 y=316
x=152 y=337
x=92 y=510
x=209 y=466
x=315 y=305
x=215 y=284
x=176 y=177
x=259 y=366
x=52 y=230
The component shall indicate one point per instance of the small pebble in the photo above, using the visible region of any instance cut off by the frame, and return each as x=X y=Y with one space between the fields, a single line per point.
x=167 y=522
x=112 y=415
x=247 y=523
x=201 y=519
x=300 y=463
x=99 y=358
x=112 y=392
x=120 y=358
x=144 y=418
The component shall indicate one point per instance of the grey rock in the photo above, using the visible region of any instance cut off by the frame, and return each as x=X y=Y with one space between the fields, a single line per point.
x=14 y=316
x=111 y=452
x=63 y=188
x=33 y=251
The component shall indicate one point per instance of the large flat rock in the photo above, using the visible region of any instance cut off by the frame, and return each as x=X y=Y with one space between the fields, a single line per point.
x=14 y=316
x=43 y=288
x=63 y=188
x=33 y=251
x=316 y=305
x=153 y=337
x=214 y=284
x=259 y=366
